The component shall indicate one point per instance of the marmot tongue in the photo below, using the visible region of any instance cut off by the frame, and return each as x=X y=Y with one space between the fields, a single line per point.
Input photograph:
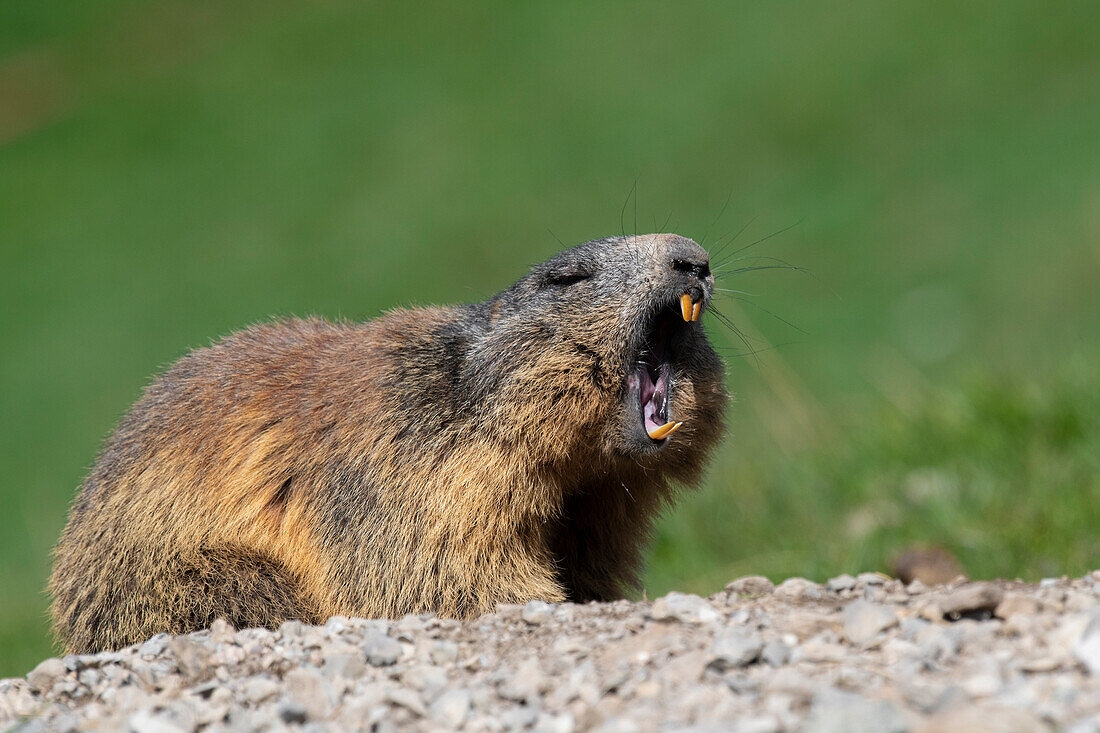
x=654 y=396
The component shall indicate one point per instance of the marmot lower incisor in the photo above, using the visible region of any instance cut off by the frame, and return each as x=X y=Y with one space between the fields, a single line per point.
x=433 y=459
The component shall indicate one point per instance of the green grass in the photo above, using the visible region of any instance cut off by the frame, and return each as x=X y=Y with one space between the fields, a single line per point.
x=170 y=171
x=1004 y=472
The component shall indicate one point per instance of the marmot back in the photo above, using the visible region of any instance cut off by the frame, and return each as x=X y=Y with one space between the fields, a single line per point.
x=432 y=460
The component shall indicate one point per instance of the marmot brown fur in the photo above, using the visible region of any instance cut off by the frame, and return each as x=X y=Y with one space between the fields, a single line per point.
x=433 y=460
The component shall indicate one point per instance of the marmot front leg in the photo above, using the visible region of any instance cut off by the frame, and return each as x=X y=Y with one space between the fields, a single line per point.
x=600 y=539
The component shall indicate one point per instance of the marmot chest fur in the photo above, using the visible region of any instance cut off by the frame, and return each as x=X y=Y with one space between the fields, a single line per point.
x=432 y=460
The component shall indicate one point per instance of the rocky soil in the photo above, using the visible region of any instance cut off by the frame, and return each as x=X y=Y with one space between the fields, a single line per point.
x=855 y=654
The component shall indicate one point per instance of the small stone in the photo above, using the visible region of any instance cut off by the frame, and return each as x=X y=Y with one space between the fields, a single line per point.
x=128 y=698
x=308 y=688
x=1041 y=664
x=985 y=719
x=912 y=626
x=42 y=678
x=776 y=653
x=537 y=612
x=1079 y=601
x=872 y=578
x=734 y=647
x=408 y=699
x=930 y=610
x=147 y=722
x=91 y=677
x=192 y=657
x=363 y=709
x=820 y=648
x=311 y=638
x=1071 y=631
x=259 y=689
x=345 y=664
x=426 y=679
x=617 y=725
x=452 y=707
x=970 y=599
x=984 y=684
x=896 y=650
x=336 y=624
x=291 y=629
x=937 y=643
x=222 y=632
x=382 y=650
x=292 y=712
x=751 y=585
x=764 y=724
x=154 y=645
x=863 y=621
x=443 y=652
x=547 y=723
x=525 y=684
x=1087 y=649
x=804 y=624
x=518 y=718
x=916 y=587
x=930 y=696
x=799 y=588
x=16 y=700
x=874 y=593
x=1014 y=604
x=840 y=582
x=1086 y=725
x=834 y=711
x=685 y=607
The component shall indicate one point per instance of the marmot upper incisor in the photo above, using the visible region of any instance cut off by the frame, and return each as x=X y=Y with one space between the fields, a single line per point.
x=433 y=459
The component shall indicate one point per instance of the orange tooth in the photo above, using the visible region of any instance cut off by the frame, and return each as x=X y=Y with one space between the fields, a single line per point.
x=665 y=430
x=685 y=306
x=696 y=311
x=661 y=432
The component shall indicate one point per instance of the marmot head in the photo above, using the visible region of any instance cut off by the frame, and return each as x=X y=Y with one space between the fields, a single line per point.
x=602 y=348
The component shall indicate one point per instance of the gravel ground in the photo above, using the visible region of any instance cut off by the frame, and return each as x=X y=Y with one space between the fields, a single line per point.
x=852 y=655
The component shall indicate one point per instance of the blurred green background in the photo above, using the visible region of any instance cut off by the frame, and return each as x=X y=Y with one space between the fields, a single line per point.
x=171 y=171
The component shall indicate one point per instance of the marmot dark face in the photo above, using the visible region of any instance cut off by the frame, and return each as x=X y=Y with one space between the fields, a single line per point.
x=626 y=313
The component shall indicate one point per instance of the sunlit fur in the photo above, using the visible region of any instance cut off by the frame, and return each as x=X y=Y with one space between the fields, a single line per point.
x=435 y=459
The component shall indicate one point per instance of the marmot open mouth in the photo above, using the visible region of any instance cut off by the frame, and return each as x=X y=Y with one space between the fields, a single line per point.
x=654 y=374
x=650 y=383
